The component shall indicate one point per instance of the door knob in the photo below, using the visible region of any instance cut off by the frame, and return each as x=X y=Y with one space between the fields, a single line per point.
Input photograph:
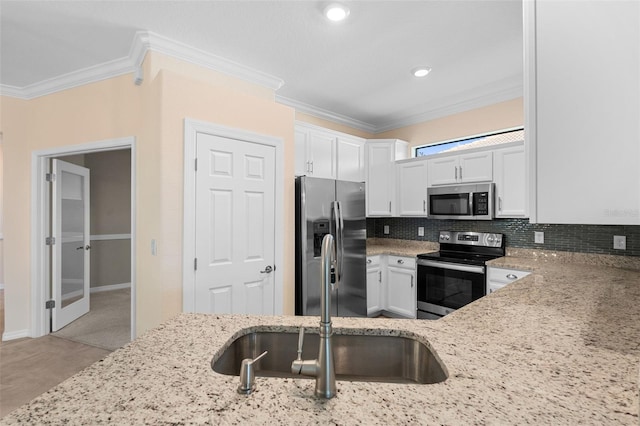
x=87 y=247
x=267 y=270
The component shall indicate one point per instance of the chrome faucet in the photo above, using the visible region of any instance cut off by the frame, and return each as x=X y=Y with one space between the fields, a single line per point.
x=322 y=368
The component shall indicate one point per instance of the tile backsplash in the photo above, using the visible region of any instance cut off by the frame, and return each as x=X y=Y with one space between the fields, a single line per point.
x=518 y=233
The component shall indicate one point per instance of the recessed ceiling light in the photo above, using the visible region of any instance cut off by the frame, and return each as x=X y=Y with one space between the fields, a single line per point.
x=421 y=72
x=336 y=12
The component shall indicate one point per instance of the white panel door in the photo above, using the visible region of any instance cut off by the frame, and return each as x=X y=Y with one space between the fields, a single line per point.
x=476 y=167
x=323 y=155
x=443 y=170
x=235 y=226
x=70 y=259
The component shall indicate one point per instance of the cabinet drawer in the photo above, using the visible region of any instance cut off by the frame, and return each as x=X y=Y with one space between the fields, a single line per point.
x=402 y=262
x=373 y=261
x=505 y=276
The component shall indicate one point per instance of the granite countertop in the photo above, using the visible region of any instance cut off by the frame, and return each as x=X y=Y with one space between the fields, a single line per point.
x=559 y=346
x=410 y=248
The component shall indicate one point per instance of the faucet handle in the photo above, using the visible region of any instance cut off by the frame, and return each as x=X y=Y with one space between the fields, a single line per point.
x=300 y=342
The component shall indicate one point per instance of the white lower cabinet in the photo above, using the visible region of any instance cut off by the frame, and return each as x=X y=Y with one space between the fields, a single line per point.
x=500 y=277
x=391 y=285
x=375 y=295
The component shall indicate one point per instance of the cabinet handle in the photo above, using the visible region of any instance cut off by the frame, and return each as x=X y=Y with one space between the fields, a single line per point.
x=411 y=281
x=389 y=206
x=512 y=276
x=308 y=168
x=379 y=276
x=400 y=261
x=456 y=167
x=500 y=203
x=311 y=163
x=460 y=172
x=424 y=206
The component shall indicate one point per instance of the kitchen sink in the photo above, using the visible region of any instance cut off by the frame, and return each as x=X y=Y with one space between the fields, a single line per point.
x=360 y=358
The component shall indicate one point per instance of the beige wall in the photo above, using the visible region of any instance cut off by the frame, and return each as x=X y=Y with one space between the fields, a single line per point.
x=154 y=113
x=300 y=116
x=499 y=116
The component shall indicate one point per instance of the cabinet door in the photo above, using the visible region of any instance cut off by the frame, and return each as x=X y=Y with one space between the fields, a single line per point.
x=443 y=170
x=411 y=188
x=476 y=167
x=301 y=155
x=374 y=294
x=401 y=291
x=587 y=136
x=380 y=179
x=350 y=159
x=510 y=180
x=322 y=147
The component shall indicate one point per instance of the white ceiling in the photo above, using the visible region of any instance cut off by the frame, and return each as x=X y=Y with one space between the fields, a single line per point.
x=356 y=72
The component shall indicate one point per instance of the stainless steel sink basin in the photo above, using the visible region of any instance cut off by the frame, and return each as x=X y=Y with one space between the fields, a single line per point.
x=357 y=358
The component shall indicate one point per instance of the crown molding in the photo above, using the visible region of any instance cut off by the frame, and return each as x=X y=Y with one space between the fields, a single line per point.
x=326 y=115
x=148 y=41
x=485 y=96
x=70 y=80
x=143 y=42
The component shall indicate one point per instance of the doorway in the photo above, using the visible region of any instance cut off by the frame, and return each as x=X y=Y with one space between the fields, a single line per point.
x=112 y=241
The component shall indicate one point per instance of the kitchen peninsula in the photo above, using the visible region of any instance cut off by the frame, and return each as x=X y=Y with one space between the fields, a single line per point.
x=559 y=346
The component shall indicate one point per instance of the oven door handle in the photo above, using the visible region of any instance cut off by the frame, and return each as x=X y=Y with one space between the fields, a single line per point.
x=452 y=266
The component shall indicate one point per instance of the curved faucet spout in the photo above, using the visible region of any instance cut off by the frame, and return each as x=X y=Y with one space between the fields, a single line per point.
x=322 y=367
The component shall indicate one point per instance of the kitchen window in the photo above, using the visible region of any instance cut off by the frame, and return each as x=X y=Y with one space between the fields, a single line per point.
x=487 y=139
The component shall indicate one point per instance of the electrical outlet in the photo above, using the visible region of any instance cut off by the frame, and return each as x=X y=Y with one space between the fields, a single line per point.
x=538 y=237
x=619 y=242
x=386 y=230
x=420 y=231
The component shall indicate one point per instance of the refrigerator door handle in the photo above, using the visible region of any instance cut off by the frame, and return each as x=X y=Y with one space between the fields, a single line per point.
x=339 y=227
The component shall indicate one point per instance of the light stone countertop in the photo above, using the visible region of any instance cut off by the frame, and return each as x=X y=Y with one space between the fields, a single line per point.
x=396 y=247
x=560 y=346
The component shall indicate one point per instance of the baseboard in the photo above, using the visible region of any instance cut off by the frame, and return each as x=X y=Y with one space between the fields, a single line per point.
x=12 y=335
x=110 y=287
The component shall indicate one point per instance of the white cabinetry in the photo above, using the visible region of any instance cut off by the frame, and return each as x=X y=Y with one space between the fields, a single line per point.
x=411 y=187
x=380 y=190
x=375 y=295
x=500 y=277
x=401 y=288
x=461 y=168
x=328 y=154
x=581 y=120
x=509 y=175
x=350 y=159
x=391 y=285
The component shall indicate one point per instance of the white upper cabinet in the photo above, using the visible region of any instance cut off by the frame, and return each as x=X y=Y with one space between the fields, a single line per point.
x=509 y=173
x=582 y=109
x=380 y=189
x=351 y=159
x=411 y=187
x=328 y=154
x=461 y=168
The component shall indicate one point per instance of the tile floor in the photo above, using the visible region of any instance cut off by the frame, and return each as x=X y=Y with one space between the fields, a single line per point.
x=30 y=367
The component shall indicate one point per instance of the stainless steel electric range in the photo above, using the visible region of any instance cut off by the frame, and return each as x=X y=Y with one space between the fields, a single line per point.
x=455 y=276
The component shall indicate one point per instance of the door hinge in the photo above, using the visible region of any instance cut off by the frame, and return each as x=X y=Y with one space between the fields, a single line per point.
x=50 y=177
x=196 y=164
x=50 y=241
x=195 y=264
x=50 y=304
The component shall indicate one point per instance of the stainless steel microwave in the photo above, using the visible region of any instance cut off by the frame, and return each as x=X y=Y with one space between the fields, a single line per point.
x=471 y=202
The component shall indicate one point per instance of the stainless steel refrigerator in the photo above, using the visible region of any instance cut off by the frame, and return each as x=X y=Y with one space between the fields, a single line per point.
x=338 y=207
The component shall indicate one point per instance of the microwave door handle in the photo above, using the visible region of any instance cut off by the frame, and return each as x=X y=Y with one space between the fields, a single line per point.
x=452 y=266
x=471 y=212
